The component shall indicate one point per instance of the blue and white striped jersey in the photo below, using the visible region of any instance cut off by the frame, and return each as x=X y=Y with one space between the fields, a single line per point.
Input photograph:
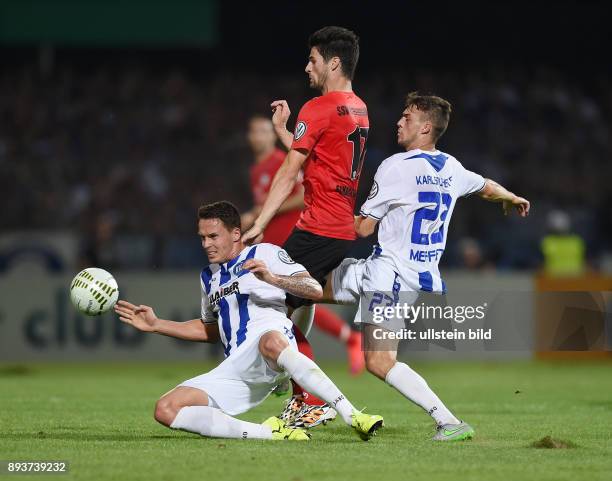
x=240 y=303
x=413 y=196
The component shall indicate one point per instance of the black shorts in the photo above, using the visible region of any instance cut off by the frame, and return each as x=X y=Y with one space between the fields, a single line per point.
x=319 y=255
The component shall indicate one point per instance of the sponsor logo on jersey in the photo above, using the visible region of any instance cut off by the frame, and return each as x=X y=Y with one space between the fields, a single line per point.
x=427 y=255
x=345 y=110
x=285 y=258
x=238 y=268
x=214 y=299
x=346 y=191
x=373 y=190
x=300 y=130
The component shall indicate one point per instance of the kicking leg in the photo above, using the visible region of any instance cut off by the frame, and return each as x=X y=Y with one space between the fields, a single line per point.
x=300 y=394
x=304 y=409
x=384 y=365
x=279 y=355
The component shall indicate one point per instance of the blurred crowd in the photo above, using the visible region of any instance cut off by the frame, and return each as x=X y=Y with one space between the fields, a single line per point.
x=122 y=156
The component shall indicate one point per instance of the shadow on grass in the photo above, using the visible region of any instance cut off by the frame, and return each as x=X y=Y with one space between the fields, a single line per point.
x=15 y=370
x=77 y=435
x=338 y=435
x=81 y=436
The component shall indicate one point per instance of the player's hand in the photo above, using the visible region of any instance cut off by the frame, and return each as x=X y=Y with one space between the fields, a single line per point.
x=281 y=113
x=253 y=236
x=259 y=269
x=519 y=203
x=141 y=317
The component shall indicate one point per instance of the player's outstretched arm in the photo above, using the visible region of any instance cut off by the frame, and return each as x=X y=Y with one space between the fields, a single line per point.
x=494 y=192
x=282 y=186
x=300 y=285
x=280 y=116
x=144 y=319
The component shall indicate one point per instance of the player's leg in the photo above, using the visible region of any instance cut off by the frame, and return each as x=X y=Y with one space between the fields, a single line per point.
x=348 y=284
x=207 y=403
x=168 y=406
x=188 y=409
x=303 y=405
x=319 y=255
x=302 y=320
x=381 y=360
x=304 y=409
x=380 y=281
x=280 y=355
x=347 y=280
x=329 y=322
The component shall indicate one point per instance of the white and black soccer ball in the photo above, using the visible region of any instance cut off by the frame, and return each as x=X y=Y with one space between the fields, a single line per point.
x=94 y=291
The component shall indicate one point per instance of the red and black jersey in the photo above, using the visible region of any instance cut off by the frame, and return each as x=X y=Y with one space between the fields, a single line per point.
x=333 y=128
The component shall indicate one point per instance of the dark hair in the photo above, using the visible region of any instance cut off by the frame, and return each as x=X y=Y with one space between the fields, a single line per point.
x=224 y=211
x=337 y=42
x=437 y=109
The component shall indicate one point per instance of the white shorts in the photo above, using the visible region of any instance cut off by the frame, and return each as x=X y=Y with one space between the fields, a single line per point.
x=373 y=284
x=243 y=380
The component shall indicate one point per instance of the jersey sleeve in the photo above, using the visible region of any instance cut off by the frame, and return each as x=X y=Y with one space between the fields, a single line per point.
x=207 y=315
x=280 y=262
x=386 y=189
x=468 y=182
x=311 y=123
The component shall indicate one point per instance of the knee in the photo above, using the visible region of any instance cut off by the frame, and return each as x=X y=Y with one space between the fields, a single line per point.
x=165 y=411
x=271 y=346
x=379 y=363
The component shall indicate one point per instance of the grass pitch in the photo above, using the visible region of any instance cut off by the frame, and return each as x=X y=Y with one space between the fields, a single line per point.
x=99 y=418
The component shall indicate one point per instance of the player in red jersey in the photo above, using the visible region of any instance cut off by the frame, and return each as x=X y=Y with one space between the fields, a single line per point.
x=328 y=145
x=268 y=159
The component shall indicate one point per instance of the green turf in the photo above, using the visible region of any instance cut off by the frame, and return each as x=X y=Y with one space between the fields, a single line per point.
x=99 y=418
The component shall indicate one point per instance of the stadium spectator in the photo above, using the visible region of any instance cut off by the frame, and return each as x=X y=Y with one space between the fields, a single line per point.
x=138 y=141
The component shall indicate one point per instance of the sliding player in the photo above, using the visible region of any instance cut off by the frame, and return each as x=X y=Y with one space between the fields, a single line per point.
x=243 y=304
x=412 y=198
x=329 y=146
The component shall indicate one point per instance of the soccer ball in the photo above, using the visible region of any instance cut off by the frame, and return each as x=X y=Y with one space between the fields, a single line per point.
x=94 y=291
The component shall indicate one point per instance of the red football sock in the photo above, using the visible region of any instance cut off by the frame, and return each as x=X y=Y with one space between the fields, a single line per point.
x=305 y=348
x=328 y=321
x=355 y=353
x=303 y=345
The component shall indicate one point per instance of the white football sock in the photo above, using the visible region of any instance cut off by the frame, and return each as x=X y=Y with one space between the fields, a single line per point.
x=215 y=423
x=414 y=387
x=308 y=375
